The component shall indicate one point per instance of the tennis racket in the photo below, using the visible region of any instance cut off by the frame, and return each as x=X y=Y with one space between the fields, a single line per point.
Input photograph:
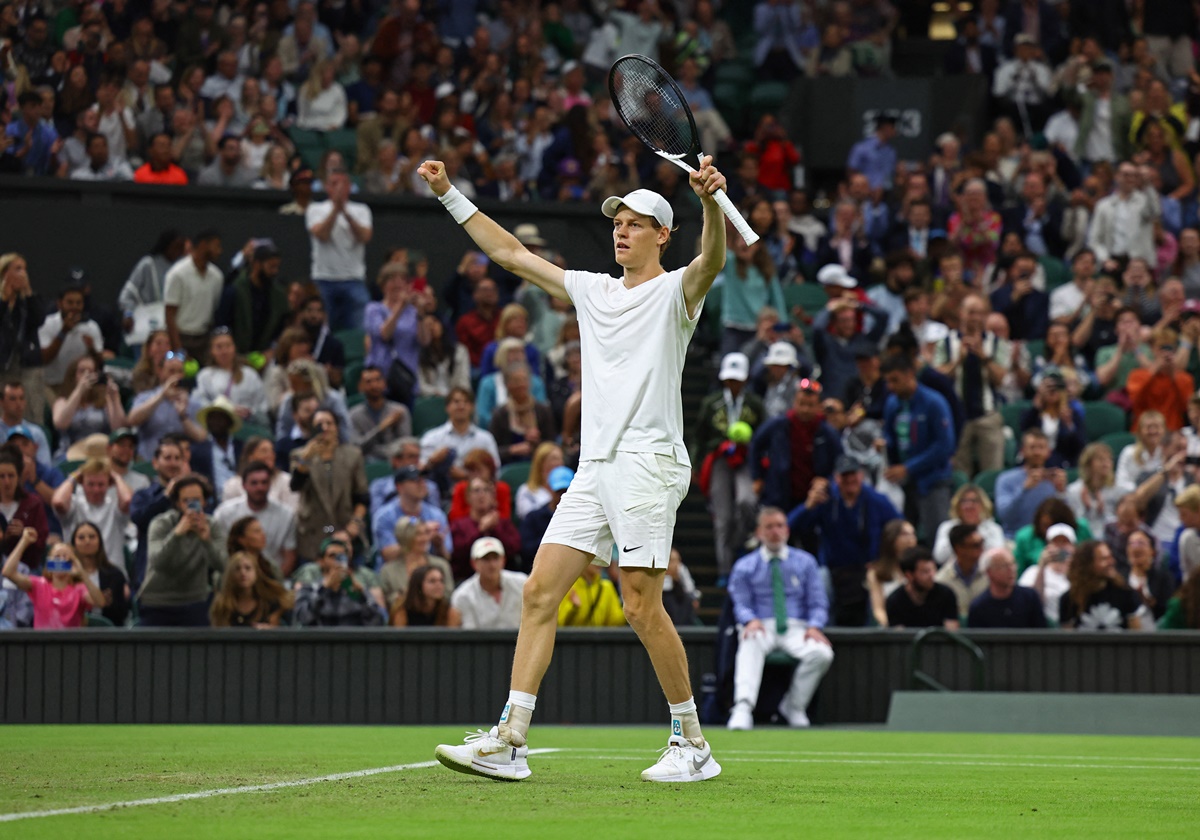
x=655 y=110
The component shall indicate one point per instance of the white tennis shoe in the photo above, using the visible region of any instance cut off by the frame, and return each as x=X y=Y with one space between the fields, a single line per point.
x=741 y=717
x=484 y=754
x=681 y=761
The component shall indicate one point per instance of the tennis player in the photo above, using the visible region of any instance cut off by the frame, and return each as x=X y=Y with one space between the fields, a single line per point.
x=634 y=470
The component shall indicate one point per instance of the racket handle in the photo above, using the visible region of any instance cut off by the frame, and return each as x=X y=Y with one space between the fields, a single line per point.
x=731 y=213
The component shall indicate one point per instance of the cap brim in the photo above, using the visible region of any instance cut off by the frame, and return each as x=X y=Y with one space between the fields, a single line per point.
x=613 y=204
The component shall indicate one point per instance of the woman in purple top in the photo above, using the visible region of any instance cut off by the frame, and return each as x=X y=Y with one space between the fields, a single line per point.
x=393 y=323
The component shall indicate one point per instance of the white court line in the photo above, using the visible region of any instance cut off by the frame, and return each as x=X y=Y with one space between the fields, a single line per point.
x=931 y=763
x=873 y=754
x=208 y=794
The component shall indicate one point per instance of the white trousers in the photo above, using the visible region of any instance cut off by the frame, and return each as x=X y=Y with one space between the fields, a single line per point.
x=815 y=659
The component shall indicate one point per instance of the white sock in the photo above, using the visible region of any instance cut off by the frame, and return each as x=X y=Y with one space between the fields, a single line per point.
x=514 y=720
x=685 y=722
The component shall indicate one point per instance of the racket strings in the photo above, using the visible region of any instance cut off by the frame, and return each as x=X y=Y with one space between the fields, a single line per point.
x=652 y=109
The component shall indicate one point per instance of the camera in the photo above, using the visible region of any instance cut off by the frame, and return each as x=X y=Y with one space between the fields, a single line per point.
x=343 y=560
x=101 y=378
x=1193 y=460
x=194 y=506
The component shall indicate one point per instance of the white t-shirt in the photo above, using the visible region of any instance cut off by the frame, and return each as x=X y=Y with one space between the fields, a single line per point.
x=196 y=295
x=112 y=126
x=277 y=521
x=1065 y=301
x=1054 y=584
x=343 y=257
x=107 y=517
x=72 y=347
x=633 y=344
x=480 y=611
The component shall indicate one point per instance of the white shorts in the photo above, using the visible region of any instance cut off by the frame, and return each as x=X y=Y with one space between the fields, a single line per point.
x=629 y=500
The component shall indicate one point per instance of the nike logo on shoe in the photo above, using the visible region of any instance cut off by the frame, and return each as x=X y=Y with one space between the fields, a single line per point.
x=503 y=748
x=627 y=548
x=696 y=765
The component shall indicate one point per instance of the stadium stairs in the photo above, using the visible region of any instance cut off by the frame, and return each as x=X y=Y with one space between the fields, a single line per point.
x=693 y=524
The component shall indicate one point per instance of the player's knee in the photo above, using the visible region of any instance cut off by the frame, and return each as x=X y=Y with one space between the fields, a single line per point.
x=537 y=600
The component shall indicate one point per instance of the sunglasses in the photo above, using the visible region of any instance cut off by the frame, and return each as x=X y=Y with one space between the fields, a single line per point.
x=219 y=331
x=809 y=386
x=175 y=355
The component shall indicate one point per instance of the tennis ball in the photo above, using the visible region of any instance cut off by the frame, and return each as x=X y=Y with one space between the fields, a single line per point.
x=256 y=360
x=740 y=432
x=190 y=368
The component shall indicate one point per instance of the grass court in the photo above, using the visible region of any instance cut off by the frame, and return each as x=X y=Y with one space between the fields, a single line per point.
x=377 y=782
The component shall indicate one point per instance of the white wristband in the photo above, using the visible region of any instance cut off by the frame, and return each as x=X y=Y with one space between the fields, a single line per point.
x=459 y=205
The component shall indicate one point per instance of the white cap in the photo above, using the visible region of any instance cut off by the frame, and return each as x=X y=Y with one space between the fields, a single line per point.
x=646 y=202
x=782 y=353
x=834 y=275
x=484 y=546
x=734 y=366
x=1060 y=530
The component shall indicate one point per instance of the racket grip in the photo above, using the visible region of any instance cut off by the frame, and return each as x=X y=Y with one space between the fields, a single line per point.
x=731 y=213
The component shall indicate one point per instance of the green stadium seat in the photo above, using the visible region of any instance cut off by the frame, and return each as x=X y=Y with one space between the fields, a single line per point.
x=810 y=297
x=1103 y=418
x=68 y=467
x=1036 y=347
x=515 y=474
x=378 y=469
x=1056 y=271
x=1116 y=441
x=354 y=399
x=249 y=430
x=93 y=620
x=353 y=339
x=350 y=377
x=733 y=73
x=767 y=97
x=986 y=481
x=960 y=478
x=1011 y=412
x=428 y=412
x=145 y=468
x=344 y=140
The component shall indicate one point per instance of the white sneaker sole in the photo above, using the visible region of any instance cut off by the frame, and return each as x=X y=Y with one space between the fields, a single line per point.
x=475 y=767
x=709 y=771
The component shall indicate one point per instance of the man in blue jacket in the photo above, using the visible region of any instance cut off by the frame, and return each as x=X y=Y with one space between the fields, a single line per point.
x=789 y=451
x=920 y=442
x=847 y=517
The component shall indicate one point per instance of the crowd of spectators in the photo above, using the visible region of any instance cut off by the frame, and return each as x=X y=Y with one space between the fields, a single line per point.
x=989 y=350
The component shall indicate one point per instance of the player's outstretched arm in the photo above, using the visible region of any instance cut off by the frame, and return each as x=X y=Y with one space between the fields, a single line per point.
x=500 y=245
x=698 y=277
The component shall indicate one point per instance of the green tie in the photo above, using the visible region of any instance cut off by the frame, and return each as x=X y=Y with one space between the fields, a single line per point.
x=778 y=596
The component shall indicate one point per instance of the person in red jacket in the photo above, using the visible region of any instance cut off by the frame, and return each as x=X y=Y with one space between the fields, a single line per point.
x=482 y=520
x=777 y=156
x=1162 y=386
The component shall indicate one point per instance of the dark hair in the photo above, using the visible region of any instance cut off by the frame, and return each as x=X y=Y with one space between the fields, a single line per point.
x=179 y=439
x=156 y=135
x=255 y=466
x=233 y=542
x=414 y=597
x=458 y=389
x=102 y=561
x=205 y=235
x=29 y=97
x=897 y=363
x=94 y=136
x=1060 y=513
x=1081 y=573
x=959 y=534
x=913 y=556
x=186 y=481
x=165 y=240
x=10 y=454
x=268 y=593
x=165 y=442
